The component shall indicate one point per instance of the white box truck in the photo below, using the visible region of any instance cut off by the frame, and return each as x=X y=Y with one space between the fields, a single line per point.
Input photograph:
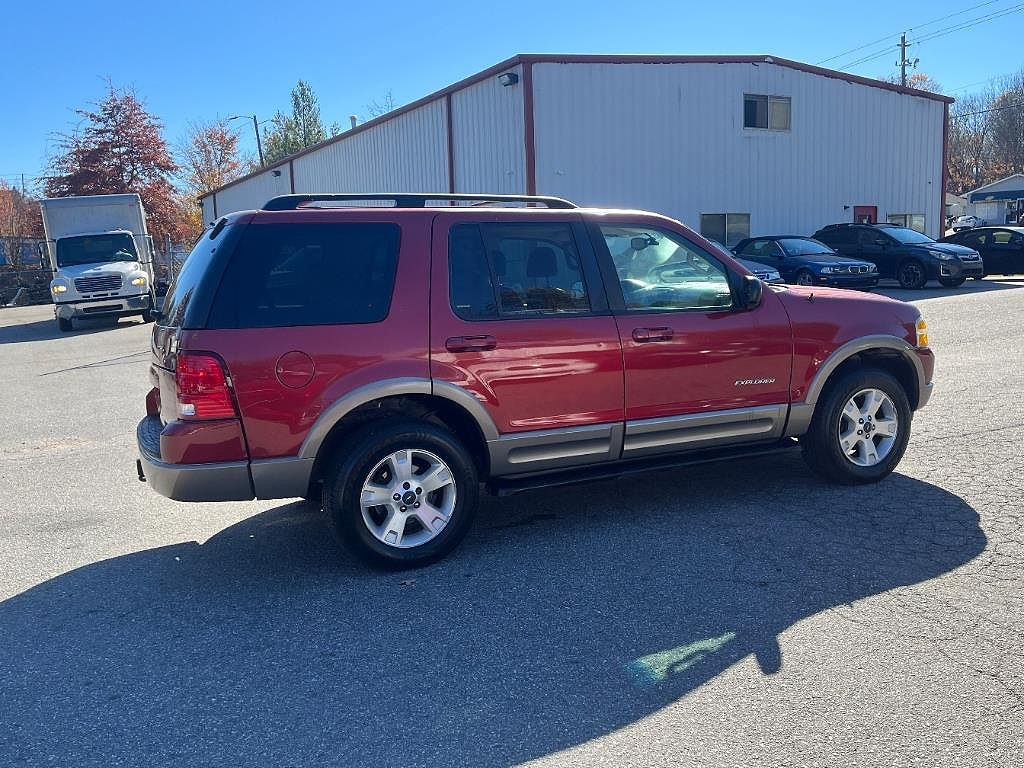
x=101 y=257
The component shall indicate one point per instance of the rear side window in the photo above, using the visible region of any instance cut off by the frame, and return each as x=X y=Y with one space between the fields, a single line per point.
x=837 y=237
x=309 y=274
x=515 y=269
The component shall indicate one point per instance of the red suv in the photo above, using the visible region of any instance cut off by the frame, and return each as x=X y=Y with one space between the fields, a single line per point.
x=389 y=360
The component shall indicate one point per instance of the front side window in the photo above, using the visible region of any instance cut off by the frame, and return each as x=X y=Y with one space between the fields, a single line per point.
x=767 y=112
x=727 y=228
x=309 y=274
x=515 y=269
x=971 y=239
x=658 y=270
x=96 y=249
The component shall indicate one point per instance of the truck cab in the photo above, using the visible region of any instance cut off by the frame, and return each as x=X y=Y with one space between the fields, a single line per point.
x=101 y=256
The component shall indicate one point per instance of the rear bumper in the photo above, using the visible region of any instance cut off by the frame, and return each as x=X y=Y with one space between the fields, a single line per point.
x=112 y=305
x=220 y=481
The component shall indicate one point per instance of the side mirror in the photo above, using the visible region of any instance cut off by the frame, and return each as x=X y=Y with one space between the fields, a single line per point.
x=750 y=292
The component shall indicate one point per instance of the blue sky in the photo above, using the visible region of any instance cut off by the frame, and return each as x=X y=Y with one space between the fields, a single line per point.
x=195 y=61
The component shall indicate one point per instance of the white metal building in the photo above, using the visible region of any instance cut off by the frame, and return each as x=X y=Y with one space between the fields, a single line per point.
x=731 y=145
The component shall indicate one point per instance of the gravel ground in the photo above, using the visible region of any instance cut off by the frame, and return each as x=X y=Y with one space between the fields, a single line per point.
x=735 y=615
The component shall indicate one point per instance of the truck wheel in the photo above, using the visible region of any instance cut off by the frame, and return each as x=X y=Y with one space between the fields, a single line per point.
x=911 y=274
x=402 y=494
x=148 y=316
x=952 y=282
x=860 y=428
x=64 y=325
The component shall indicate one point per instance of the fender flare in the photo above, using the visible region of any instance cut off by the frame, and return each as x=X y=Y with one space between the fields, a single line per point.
x=394 y=388
x=800 y=414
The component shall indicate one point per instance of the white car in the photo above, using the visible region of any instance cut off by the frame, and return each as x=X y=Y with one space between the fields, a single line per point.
x=968 y=222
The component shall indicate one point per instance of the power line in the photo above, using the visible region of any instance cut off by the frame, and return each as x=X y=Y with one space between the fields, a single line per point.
x=918 y=26
x=959 y=26
x=984 y=111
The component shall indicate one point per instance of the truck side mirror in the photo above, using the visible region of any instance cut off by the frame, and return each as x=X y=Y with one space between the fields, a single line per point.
x=44 y=255
x=750 y=292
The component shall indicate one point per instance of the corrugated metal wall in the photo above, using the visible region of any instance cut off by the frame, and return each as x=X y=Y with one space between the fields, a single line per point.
x=488 y=137
x=254 y=192
x=209 y=216
x=670 y=138
x=405 y=154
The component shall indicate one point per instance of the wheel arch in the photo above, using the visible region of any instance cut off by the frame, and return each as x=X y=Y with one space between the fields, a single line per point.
x=890 y=353
x=440 y=403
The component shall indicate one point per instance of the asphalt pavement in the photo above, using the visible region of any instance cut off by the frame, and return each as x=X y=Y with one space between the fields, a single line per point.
x=745 y=614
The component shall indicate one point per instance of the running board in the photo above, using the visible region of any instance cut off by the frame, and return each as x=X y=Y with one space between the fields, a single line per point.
x=507 y=486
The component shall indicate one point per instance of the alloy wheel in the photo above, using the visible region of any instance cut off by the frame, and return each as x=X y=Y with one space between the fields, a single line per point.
x=868 y=427
x=408 y=498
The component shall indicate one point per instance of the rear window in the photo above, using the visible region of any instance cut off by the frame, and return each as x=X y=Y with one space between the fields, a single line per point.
x=308 y=274
x=184 y=286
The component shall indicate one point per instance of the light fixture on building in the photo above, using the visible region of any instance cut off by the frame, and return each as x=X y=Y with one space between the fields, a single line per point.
x=508 y=78
x=275 y=173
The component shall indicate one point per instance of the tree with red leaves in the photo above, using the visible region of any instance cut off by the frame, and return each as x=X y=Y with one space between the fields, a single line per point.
x=119 y=150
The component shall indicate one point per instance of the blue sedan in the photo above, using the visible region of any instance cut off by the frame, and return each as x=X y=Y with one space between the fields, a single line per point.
x=806 y=261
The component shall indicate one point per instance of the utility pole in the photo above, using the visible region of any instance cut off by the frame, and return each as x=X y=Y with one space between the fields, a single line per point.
x=904 y=61
x=256 y=128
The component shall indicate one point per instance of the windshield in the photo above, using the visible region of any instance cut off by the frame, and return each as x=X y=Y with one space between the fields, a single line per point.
x=95 y=249
x=799 y=246
x=907 y=236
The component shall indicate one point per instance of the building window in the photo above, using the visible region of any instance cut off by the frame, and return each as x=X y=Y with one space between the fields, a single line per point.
x=767 y=112
x=726 y=228
x=914 y=221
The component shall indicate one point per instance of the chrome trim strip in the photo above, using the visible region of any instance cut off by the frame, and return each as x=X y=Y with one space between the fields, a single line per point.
x=703 y=430
x=548 y=449
x=283 y=478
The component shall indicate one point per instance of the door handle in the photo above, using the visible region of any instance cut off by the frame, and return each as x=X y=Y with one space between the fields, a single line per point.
x=470 y=343
x=644 y=335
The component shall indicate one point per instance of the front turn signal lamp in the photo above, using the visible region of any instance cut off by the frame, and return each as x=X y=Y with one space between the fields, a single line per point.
x=922 y=332
x=140 y=280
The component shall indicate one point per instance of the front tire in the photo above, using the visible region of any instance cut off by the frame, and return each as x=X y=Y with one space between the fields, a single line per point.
x=64 y=325
x=860 y=428
x=952 y=282
x=433 y=478
x=912 y=275
x=804 y=277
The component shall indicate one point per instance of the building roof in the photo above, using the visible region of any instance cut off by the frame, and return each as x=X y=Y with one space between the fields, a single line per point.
x=558 y=58
x=1003 y=184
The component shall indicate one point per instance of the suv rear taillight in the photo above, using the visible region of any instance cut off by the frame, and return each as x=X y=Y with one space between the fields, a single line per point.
x=203 y=388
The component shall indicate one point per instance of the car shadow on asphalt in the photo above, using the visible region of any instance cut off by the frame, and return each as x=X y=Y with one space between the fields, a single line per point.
x=933 y=291
x=45 y=330
x=566 y=615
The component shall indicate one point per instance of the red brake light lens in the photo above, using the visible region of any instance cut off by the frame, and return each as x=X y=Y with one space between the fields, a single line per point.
x=203 y=391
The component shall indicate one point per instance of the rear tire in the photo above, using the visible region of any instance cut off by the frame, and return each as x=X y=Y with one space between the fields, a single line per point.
x=431 y=473
x=65 y=326
x=952 y=282
x=912 y=274
x=843 y=444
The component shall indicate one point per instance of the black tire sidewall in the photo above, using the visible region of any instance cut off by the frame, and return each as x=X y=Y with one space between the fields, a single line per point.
x=343 y=487
x=800 y=273
x=913 y=286
x=823 y=447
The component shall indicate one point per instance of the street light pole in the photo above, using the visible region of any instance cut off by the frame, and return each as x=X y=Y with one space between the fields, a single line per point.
x=256 y=128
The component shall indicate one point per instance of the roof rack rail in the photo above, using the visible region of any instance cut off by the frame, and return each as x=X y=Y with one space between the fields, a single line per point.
x=408 y=199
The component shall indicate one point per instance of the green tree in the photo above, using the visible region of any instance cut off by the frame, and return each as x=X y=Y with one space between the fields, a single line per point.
x=300 y=129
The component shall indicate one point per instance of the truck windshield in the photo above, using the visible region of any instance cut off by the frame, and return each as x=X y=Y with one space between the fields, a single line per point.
x=95 y=249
